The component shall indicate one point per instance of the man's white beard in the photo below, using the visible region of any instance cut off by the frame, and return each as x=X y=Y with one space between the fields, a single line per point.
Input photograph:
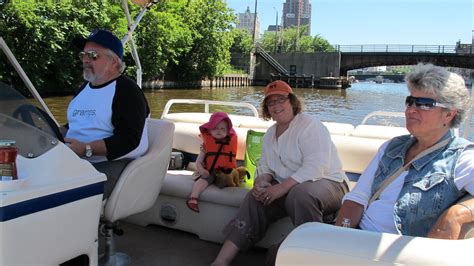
x=89 y=76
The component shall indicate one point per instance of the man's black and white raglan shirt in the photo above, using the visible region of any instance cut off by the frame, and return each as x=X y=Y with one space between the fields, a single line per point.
x=115 y=112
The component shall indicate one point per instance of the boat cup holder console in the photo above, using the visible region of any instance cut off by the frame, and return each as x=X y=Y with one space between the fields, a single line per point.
x=168 y=214
x=176 y=161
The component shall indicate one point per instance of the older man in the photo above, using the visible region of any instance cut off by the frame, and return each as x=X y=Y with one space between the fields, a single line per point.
x=106 y=117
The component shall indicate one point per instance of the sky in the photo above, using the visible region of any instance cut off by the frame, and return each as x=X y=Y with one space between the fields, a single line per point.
x=352 y=22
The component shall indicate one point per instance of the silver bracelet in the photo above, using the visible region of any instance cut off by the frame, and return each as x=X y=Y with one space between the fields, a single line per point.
x=346 y=222
x=467 y=207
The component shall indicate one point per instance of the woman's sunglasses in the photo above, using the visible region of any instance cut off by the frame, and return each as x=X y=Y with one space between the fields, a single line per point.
x=423 y=103
x=92 y=55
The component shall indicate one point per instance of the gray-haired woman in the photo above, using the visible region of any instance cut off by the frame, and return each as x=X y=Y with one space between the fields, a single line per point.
x=412 y=185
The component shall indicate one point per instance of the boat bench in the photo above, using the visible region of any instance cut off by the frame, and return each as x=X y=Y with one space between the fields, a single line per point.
x=219 y=206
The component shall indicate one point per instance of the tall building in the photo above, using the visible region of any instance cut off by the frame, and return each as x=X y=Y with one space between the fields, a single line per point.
x=294 y=10
x=246 y=21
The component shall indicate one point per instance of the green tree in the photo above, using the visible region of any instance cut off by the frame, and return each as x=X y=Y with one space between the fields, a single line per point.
x=39 y=34
x=291 y=40
x=162 y=37
x=321 y=45
x=190 y=37
x=210 y=22
x=242 y=41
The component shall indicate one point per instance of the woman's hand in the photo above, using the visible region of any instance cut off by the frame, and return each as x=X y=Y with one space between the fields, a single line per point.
x=260 y=186
x=259 y=189
x=266 y=193
x=272 y=193
x=448 y=225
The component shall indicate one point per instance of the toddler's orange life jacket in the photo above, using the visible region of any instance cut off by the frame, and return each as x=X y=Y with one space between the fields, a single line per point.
x=226 y=158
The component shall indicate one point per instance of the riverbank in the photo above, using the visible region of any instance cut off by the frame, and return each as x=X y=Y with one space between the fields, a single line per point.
x=231 y=80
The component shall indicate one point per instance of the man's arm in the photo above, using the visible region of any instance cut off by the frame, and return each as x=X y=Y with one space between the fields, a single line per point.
x=129 y=112
x=98 y=147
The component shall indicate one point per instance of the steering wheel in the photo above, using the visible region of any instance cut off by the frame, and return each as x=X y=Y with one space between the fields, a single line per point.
x=24 y=113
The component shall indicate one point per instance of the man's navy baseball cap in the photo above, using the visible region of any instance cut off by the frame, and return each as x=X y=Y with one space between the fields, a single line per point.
x=102 y=37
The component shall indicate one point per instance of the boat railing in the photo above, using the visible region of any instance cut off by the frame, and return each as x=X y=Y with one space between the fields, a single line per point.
x=207 y=104
x=405 y=48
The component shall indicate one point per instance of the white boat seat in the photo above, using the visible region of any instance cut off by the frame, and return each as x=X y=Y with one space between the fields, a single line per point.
x=333 y=245
x=138 y=186
x=356 y=153
x=179 y=182
x=141 y=181
x=339 y=128
x=378 y=132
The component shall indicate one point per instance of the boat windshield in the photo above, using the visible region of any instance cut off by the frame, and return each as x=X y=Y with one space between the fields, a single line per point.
x=22 y=118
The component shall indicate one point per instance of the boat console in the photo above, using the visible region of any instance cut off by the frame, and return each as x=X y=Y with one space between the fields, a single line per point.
x=49 y=214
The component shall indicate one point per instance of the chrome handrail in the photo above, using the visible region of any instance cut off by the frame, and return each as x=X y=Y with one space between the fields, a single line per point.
x=206 y=104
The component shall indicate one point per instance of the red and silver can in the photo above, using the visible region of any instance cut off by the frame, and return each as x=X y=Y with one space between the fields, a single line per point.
x=8 y=153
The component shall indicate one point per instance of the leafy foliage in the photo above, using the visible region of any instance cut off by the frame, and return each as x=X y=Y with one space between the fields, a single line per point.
x=39 y=34
x=291 y=40
x=210 y=22
x=183 y=40
x=242 y=41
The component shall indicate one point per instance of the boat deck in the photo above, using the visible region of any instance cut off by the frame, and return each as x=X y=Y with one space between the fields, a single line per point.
x=158 y=245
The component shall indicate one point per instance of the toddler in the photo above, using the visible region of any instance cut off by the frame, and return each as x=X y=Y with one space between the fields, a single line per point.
x=218 y=151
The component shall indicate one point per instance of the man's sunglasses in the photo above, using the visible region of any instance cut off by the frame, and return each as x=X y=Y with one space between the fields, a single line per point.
x=423 y=103
x=92 y=55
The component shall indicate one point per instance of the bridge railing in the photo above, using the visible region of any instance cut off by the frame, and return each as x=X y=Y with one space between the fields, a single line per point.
x=406 y=48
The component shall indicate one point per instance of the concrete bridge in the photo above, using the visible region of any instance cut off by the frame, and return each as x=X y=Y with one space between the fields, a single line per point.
x=349 y=57
x=361 y=56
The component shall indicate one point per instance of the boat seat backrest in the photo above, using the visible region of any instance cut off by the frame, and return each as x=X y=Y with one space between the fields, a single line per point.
x=141 y=181
x=246 y=122
x=356 y=146
x=343 y=129
x=354 y=152
x=378 y=132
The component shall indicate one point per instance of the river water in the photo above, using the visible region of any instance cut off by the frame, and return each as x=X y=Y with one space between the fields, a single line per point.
x=344 y=106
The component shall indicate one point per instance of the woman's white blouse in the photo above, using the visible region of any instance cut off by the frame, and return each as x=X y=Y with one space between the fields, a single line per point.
x=303 y=152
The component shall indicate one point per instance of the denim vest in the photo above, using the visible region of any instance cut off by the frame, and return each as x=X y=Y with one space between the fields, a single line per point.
x=428 y=188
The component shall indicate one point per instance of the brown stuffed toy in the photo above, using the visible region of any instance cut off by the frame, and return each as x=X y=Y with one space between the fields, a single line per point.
x=231 y=178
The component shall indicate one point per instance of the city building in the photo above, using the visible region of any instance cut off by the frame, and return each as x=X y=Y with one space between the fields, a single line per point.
x=297 y=13
x=274 y=28
x=246 y=21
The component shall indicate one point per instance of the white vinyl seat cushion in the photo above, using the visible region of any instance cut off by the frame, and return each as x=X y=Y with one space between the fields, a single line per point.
x=141 y=181
x=322 y=244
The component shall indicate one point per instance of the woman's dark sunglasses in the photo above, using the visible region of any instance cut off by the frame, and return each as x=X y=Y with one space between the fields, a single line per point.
x=423 y=103
x=92 y=55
